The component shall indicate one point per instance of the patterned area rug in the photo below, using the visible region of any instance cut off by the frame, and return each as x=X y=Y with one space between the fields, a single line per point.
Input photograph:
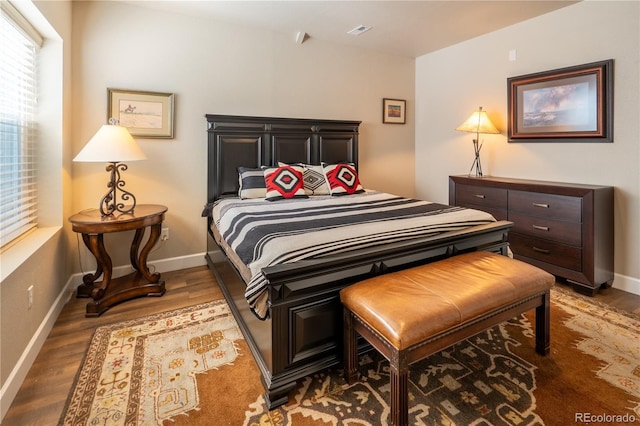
x=192 y=367
x=146 y=371
x=592 y=376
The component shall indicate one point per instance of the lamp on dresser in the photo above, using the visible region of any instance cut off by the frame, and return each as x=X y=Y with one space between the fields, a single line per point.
x=477 y=123
x=113 y=144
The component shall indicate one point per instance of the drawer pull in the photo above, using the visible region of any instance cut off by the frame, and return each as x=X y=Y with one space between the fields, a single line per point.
x=479 y=196
x=539 y=250
x=540 y=228
x=545 y=206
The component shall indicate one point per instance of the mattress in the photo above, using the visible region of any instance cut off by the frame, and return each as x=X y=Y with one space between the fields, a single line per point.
x=255 y=233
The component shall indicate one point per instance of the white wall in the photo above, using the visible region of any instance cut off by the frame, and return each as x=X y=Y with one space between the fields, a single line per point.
x=453 y=82
x=218 y=68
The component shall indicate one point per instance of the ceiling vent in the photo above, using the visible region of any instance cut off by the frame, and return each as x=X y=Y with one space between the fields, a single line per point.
x=359 y=30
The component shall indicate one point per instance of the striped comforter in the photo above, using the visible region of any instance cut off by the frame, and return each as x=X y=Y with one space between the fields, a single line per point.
x=256 y=233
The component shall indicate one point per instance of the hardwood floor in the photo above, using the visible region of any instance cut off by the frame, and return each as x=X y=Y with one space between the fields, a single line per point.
x=42 y=396
x=619 y=299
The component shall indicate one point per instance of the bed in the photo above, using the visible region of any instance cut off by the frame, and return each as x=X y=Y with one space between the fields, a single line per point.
x=293 y=321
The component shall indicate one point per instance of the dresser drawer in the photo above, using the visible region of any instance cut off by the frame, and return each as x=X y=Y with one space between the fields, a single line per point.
x=495 y=198
x=555 y=230
x=551 y=206
x=546 y=251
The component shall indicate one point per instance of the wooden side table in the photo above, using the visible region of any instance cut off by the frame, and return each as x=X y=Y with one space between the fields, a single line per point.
x=141 y=282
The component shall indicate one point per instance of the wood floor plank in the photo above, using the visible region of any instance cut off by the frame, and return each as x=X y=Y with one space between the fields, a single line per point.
x=43 y=394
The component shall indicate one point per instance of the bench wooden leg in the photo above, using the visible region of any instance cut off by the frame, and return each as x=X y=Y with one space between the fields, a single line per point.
x=543 y=320
x=399 y=375
x=350 y=348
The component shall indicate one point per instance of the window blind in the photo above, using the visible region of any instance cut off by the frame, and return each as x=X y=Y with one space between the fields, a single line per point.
x=18 y=96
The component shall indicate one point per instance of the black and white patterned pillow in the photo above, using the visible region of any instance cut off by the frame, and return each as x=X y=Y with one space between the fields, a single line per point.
x=315 y=182
x=252 y=184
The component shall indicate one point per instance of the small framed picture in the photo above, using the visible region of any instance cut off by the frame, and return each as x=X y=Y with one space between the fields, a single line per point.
x=573 y=104
x=144 y=114
x=393 y=111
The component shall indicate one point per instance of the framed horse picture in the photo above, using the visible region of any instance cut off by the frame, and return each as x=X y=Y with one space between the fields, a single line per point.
x=144 y=114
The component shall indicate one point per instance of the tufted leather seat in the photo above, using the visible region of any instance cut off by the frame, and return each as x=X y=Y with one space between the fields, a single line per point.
x=410 y=314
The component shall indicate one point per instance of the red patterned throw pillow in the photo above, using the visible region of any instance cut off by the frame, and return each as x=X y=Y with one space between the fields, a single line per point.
x=284 y=182
x=342 y=179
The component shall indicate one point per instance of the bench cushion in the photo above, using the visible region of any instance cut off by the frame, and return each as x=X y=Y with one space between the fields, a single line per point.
x=406 y=307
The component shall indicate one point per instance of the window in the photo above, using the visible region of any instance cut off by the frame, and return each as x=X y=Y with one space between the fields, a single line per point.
x=19 y=44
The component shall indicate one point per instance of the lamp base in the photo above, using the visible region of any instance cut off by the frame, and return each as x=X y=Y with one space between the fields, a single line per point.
x=109 y=204
x=476 y=162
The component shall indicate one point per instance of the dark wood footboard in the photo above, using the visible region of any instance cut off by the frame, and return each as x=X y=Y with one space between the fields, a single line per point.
x=303 y=333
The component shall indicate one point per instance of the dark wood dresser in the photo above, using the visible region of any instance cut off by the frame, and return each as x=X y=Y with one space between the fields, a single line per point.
x=563 y=228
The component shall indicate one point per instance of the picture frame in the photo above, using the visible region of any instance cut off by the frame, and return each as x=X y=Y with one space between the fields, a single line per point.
x=394 y=111
x=573 y=104
x=144 y=114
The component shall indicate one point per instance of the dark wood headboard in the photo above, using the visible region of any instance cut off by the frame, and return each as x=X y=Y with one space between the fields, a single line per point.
x=235 y=141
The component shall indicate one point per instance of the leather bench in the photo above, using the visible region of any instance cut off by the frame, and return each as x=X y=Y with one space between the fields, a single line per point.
x=410 y=314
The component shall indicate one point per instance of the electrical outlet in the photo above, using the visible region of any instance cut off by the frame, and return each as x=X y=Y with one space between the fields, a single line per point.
x=164 y=234
x=30 y=296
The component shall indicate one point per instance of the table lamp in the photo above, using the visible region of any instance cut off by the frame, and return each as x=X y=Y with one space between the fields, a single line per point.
x=478 y=123
x=113 y=144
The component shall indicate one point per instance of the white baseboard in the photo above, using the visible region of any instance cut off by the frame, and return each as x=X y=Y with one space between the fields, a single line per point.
x=628 y=284
x=162 y=265
x=16 y=377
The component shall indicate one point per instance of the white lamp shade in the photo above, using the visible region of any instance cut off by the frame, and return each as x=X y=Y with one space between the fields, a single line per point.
x=478 y=122
x=111 y=144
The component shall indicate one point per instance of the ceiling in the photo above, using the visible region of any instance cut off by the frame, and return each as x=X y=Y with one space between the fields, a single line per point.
x=406 y=28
